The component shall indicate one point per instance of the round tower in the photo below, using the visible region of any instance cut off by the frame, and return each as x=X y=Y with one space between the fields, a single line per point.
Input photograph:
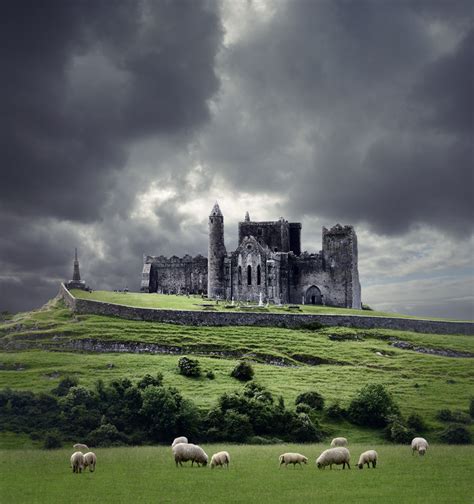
x=216 y=255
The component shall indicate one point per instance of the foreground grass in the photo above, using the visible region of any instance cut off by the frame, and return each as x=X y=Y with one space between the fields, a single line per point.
x=148 y=474
x=174 y=302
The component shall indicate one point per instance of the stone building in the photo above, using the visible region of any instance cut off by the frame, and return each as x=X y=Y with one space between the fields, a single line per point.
x=268 y=264
x=76 y=282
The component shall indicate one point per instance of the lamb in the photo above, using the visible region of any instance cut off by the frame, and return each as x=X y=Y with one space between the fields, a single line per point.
x=367 y=457
x=338 y=456
x=181 y=439
x=90 y=460
x=420 y=445
x=187 y=451
x=220 y=459
x=339 y=441
x=77 y=462
x=292 y=458
x=81 y=447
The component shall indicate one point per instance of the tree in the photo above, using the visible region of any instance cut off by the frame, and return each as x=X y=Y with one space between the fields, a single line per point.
x=243 y=371
x=372 y=406
x=312 y=399
x=189 y=367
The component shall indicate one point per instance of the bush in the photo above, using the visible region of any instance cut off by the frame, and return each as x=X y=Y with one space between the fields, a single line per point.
x=372 y=407
x=399 y=433
x=210 y=375
x=471 y=407
x=312 y=399
x=336 y=412
x=106 y=435
x=416 y=423
x=304 y=430
x=456 y=434
x=52 y=440
x=149 y=380
x=446 y=415
x=261 y=440
x=64 y=385
x=303 y=408
x=243 y=371
x=189 y=367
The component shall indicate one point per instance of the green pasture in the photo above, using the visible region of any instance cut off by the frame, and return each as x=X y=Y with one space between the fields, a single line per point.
x=148 y=474
x=195 y=302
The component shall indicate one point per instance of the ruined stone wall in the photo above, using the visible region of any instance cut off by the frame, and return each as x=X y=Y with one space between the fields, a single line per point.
x=275 y=235
x=175 y=275
x=289 y=320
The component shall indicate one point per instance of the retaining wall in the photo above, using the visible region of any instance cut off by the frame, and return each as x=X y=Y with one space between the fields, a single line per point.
x=288 y=320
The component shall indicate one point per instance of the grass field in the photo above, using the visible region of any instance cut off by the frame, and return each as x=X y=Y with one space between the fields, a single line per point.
x=148 y=474
x=173 y=302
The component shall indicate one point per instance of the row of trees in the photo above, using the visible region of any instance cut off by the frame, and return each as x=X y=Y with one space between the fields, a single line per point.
x=122 y=412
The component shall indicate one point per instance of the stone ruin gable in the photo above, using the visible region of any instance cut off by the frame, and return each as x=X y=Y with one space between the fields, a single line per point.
x=307 y=277
x=278 y=236
x=174 y=275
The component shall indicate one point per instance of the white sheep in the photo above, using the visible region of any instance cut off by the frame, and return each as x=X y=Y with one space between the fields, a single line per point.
x=90 y=460
x=81 y=447
x=77 y=462
x=338 y=441
x=187 y=451
x=220 y=459
x=337 y=456
x=367 y=457
x=292 y=458
x=420 y=445
x=178 y=440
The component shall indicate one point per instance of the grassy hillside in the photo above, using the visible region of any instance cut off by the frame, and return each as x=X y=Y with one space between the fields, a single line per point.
x=37 y=353
x=173 y=302
x=148 y=474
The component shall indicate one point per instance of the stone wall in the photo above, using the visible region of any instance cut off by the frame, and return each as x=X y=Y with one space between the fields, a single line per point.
x=288 y=320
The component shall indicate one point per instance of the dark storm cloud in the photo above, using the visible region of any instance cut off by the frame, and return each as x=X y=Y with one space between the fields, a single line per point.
x=81 y=80
x=352 y=111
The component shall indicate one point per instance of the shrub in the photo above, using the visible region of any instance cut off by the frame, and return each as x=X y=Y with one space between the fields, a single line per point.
x=52 y=440
x=243 y=371
x=303 y=408
x=397 y=432
x=446 y=415
x=456 y=434
x=106 y=435
x=335 y=412
x=416 y=423
x=210 y=375
x=471 y=407
x=312 y=399
x=372 y=406
x=149 y=380
x=189 y=367
x=305 y=430
x=261 y=440
x=64 y=385
x=366 y=307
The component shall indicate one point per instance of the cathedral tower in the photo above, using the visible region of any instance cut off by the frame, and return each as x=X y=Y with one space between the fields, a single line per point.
x=216 y=255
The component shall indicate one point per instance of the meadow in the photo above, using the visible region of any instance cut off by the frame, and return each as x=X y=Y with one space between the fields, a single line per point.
x=148 y=474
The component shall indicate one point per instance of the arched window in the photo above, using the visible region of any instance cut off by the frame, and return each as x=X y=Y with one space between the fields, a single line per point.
x=239 y=276
x=259 y=275
x=249 y=275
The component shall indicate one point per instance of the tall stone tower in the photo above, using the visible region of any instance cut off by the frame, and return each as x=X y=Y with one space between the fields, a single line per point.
x=216 y=255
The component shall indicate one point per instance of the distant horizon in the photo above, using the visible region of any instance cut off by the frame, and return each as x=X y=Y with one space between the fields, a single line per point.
x=124 y=122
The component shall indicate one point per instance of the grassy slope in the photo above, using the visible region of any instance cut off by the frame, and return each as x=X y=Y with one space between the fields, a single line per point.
x=148 y=474
x=172 y=302
x=420 y=383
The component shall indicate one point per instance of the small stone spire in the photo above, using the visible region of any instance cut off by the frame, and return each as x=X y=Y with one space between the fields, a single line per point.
x=247 y=217
x=76 y=276
x=216 y=210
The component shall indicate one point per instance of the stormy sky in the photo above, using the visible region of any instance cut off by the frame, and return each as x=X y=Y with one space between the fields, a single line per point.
x=123 y=122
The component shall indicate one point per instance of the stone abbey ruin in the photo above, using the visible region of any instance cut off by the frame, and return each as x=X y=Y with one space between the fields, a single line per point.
x=268 y=266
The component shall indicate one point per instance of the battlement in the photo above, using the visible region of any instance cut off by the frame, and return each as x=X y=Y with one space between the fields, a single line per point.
x=173 y=260
x=338 y=230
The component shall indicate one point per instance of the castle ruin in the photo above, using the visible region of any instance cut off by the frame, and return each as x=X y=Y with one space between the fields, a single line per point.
x=267 y=265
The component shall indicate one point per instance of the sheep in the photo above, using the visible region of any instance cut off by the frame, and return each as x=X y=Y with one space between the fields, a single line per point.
x=338 y=456
x=420 y=445
x=367 y=457
x=90 y=460
x=220 y=459
x=181 y=439
x=81 y=447
x=187 y=451
x=292 y=458
x=338 y=441
x=77 y=462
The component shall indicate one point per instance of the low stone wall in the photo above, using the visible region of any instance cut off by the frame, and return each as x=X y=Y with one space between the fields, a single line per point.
x=288 y=320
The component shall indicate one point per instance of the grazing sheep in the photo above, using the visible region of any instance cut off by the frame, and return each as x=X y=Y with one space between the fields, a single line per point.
x=420 y=445
x=338 y=456
x=338 y=441
x=367 y=457
x=81 y=447
x=183 y=452
x=77 y=462
x=178 y=440
x=90 y=460
x=292 y=458
x=220 y=459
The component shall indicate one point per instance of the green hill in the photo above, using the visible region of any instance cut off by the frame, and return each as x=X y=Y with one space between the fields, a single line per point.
x=41 y=347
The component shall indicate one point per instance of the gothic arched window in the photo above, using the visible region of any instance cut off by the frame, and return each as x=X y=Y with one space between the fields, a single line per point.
x=259 y=275
x=249 y=275
x=239 y=276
